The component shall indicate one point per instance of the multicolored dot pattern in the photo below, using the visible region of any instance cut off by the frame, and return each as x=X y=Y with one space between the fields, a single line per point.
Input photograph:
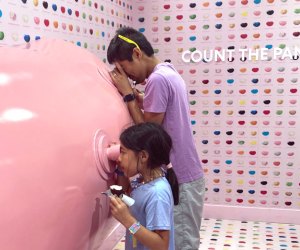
x=88 y=24
x=244 y=113
x=244 y=235
x=248 y=235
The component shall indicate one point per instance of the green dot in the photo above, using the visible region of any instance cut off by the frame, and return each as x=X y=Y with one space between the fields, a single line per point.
x=102 y=7
x=297 y=11
x=192 y=49
x=156 y=51
x=282 y=46
x=1 y=35
x=167 y=18
x=192 y=102
x=85 y=45
x=192 y=16
x=206 y=26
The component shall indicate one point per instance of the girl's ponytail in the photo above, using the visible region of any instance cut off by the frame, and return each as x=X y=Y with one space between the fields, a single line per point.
x=172 y=179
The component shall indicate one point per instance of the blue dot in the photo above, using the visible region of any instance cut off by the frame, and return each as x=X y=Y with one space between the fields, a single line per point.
x=218 y=91
x=216 y=170
x=216 y=190
x=142 y=30
x=257 y=1
x=193 y=38
x=27 y=38
x=218 y=26
x=219 y=3
x=230 y=81
x=204 y=141
x=193 y=122
x=228 y=162
x=253 y=112
x=78 y=44
x=54 y=7
x=251 y=191
x=256 y=24
x=254 y=91
x=70 y=12
x=252 y=172
x=255 y=80
x=0 y=13
x=217 y=132
x=37 y=38
x=269 y=46
x=103 y=33
x=265 y=133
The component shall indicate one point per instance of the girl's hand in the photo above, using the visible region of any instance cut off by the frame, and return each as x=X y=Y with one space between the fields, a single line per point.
x=121 y=212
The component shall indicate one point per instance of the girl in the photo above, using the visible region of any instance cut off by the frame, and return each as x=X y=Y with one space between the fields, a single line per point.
x=145 y=148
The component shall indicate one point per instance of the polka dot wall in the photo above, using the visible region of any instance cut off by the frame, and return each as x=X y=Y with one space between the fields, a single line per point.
x=245 y=111
x=89 y=24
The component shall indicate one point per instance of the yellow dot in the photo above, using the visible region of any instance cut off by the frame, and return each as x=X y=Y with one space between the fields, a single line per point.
x=242 y=102
x=35 y=2
x=245 y=13
x=240 y=182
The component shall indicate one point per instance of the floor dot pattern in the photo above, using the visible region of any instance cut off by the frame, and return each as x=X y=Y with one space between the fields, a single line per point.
x=244 y=235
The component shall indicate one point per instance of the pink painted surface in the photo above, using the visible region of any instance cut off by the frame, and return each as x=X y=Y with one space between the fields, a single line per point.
x=55 y=99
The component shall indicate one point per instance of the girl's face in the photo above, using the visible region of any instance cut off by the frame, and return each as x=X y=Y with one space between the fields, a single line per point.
x=128 y=161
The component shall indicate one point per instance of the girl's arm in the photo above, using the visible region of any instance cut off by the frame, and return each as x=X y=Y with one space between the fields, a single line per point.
x=158 y=239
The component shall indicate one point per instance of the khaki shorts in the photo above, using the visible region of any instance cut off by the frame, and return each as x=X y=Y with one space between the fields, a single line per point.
x=187 y=215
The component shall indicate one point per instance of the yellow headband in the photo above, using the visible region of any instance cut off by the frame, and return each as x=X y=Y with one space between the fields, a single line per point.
x=128 y=40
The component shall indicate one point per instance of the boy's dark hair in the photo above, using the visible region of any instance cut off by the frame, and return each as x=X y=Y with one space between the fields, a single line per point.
x=152 y=138
x=119 y=50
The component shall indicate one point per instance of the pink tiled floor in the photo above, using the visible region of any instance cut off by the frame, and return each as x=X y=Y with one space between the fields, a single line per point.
x=245 y=235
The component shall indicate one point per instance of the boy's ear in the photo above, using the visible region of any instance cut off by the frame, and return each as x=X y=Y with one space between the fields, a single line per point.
x=137 y=53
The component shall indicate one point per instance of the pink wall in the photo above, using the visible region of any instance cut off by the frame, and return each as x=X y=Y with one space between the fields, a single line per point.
x=89 y=24
x=242 y=139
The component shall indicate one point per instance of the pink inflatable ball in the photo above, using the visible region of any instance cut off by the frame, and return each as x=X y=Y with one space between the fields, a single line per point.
x=59 y=111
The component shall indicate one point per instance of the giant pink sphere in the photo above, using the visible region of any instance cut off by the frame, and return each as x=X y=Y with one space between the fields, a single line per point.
x=59 y=111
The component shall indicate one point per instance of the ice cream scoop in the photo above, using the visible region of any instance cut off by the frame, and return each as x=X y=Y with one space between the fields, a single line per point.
x=117 y=190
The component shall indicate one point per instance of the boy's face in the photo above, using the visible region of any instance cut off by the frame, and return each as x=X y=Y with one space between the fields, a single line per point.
x=134 y=70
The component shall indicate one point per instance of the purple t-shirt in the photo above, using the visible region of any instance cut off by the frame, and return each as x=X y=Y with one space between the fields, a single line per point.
x=165 y=92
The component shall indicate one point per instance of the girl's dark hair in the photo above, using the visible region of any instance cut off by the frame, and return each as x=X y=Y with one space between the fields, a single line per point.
x=152 y=138
x=119 y=50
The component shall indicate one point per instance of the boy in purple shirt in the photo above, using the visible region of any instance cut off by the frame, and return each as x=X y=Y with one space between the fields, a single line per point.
x=165 y=102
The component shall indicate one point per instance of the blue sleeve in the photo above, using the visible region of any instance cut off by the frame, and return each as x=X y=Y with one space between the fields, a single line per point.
x=158 y=212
